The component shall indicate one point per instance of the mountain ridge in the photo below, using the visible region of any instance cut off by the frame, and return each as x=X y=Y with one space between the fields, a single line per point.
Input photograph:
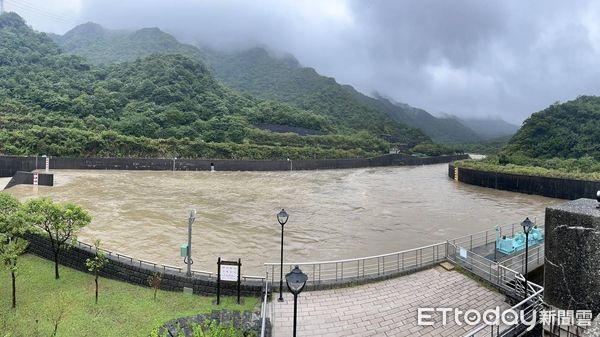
x=161 y=105
x=261 y=73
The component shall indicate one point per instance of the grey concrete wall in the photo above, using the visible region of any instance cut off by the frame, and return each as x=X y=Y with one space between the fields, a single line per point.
x=10 y=165
x=560 y=188
x=137 y=273
x=572 y=256
x=26 y=178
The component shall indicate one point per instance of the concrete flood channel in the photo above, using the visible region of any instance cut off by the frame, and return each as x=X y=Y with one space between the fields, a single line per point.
x=334 y=214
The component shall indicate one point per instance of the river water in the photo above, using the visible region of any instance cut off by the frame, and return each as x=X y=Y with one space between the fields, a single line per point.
x=334 y=214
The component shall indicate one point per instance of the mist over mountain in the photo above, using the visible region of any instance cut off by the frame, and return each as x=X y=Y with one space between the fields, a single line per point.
x=266 y=74
x=489 y=128
x=157 y=106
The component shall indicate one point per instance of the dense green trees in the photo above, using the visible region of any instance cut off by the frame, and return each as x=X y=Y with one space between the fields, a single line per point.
x=567 y=130
x=59 y=222
x=12 y=245
x=562 y=140
x=326 y=104
x=162 y=105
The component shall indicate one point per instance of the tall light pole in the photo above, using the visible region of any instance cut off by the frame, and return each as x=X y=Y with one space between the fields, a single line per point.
x=291 y=164
x=527 y=225
x=295 y=280
x=188 y=260
x=282 y=218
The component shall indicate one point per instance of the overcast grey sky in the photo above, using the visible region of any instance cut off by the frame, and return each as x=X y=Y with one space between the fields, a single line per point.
x=504 y=58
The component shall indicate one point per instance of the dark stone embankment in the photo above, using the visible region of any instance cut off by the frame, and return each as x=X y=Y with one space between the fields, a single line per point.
x=137 y=272
x=560 y=188
x=9 y=165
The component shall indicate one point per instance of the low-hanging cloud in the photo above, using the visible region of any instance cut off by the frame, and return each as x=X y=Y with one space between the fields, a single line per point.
x=470 y=58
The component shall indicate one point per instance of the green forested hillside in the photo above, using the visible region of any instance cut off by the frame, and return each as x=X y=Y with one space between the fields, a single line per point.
x=260 y=74
x=162 y=105
x=447 y=130
x=567 y=130
x=562 y=140
x=490 y=128
x=257 y=72
x=100 y=46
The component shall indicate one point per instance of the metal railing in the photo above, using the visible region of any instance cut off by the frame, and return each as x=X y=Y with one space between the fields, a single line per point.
x=526 y=309
x=264 y=308
x=365 y=268
x=535 y=259
x=155 y=267
x=486 y=237
x=507 y=280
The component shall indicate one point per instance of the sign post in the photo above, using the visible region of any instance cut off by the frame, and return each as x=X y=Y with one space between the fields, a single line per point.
x=47 y=163
x=229 y=271
x=35 y=178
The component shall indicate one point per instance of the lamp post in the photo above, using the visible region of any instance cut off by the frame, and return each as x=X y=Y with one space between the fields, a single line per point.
x=188 y=259
x=291 y=164
x=527 y=225
x=295 y=280
x=282 y=218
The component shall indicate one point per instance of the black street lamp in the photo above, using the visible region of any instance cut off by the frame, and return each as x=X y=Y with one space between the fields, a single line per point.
x=527 y=225
x=295 y=280
x=282 y=218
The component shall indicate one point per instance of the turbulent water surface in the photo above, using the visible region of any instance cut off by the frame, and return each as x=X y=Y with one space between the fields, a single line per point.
x=334 y=214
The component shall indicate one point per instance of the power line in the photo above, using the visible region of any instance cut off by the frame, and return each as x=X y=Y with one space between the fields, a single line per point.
x=27 y=8
x=27 y=4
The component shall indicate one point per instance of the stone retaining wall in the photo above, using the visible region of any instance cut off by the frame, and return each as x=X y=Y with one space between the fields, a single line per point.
x=560 y=188
x=138 y=273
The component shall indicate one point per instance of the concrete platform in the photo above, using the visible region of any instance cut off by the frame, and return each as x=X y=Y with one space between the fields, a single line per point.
x=3 y=182
x=387 y=308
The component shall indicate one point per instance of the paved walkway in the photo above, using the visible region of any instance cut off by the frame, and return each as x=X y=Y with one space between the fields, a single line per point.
x=386 y=308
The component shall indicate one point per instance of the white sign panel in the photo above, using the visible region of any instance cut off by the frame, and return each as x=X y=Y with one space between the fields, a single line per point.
x=35 y=178
x=47 y=164
x=463 y=253
x=229 y=272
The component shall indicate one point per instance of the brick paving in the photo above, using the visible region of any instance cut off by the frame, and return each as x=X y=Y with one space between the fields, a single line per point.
x=386 y=308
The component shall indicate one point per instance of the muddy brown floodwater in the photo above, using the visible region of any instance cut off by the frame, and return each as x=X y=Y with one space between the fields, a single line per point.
x=334 y=214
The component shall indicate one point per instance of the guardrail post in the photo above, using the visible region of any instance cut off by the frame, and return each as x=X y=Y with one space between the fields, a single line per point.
x=402 y=260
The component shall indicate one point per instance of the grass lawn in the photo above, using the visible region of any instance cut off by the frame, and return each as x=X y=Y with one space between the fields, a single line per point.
x=122 y=310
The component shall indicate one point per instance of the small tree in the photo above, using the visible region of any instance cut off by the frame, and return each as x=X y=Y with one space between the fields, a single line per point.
x=59 y=222
x=154 y=282
x=59 y=310
x=11 y=244
x=94 y=265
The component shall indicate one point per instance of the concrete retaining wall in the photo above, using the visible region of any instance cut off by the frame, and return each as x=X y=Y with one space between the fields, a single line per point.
x=26 y=178
x=138 y=273
x=9 y=165
x=560 y=188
